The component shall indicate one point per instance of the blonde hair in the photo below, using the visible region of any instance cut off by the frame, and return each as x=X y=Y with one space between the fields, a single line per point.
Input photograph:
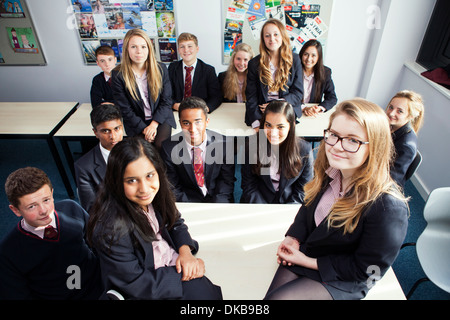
x=415 y=107
x=230 y=84
x=186 y=36
x=371 y=179
x=154 y=72
x=285 y=59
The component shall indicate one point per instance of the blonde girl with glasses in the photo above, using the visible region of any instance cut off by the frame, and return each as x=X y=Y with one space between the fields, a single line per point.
x=354 y=219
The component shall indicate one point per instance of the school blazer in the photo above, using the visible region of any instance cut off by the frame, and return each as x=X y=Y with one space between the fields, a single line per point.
x=133 y=111
x=405 y=143
x=128 y=266
x=257 y=93
x=327 y=92
x=90 y=170
x=259 y=188
x=100 y=91
x=347 y=263
x=219 y=174
x=205 y=84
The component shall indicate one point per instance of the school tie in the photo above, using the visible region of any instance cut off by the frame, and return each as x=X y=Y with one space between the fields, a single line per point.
x=198 y=166
x=188 y=82
x=50 y=233
x=109 y=81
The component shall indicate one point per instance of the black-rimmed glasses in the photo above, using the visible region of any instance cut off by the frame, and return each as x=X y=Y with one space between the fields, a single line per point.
x=351 y=145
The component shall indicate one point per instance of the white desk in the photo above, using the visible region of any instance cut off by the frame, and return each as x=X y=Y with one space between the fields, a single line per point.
x=238 y=243
x=37 y=120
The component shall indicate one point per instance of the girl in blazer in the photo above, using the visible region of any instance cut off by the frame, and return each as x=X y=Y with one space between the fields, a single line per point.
x=234 y=81
x=318 y=87
x=405 y=113
x=141 y=88
x=143 y=245
x=354 y=219
x=281 y=165
x=276 y=73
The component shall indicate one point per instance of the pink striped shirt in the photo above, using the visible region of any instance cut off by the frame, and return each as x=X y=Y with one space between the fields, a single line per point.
x=143 y=90
x=330 y=196
x=163 y=254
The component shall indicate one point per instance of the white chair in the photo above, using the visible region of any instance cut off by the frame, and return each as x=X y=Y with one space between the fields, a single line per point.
x=433 y=244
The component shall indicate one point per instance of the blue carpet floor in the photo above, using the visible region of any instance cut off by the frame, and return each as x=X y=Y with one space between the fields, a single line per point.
x=20 y=153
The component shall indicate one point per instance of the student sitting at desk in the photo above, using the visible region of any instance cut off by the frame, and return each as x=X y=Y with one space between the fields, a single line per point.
x=196 y=158
x=193 y=77
x=101 y=84
x=45 y=256
x=234 y=81
x=141 y=89
x=144 y=247
x=354 y=220
x=405 y=113
x=274 y=74
x=90 y=169
x=318 y=87
x=277 y=163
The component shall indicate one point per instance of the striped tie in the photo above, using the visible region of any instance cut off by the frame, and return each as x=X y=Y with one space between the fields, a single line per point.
x=198 y=166
x=188 y=82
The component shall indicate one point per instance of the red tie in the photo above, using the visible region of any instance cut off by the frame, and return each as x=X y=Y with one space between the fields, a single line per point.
x=50 y=233
x=188 y=82
x=198 y=166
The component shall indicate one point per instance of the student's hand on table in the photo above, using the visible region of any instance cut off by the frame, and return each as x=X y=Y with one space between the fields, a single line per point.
x=312 y=111
x=150 y=131
x=191 y=266
x=286 y=246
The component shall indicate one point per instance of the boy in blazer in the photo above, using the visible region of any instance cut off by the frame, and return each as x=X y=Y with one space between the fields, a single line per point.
x=204 y=82
x=90 y=169
x=45 y=256
x=101 y=84
x=218 y=174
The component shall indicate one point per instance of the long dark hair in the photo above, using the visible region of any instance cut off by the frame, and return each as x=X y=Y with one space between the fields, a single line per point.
x=319 y=69
x=113 y=215
x=290 y=162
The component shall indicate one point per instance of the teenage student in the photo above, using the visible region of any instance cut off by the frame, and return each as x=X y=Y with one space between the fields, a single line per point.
x=277 y=163
x=141 y=89
x=45 y=256
x=354 y=220
x=234 y=81
x=191 y=76
x=196 y=158
x=405 y=113
x=276 y=73
x=144 y=247
x=318 y=87
x=90 y=169
x=101 y=84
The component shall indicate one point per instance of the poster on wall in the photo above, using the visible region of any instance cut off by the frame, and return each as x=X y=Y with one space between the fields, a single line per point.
x=244 y=20
x=11 y=9
x=22 y=40
x=101 y=22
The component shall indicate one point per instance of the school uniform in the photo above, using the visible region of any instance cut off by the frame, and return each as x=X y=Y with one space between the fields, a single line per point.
x=32 y=267
x=328 y=98
x=90 y=170
x=347 y=263
x=257 y=93
x=221 y=78
x=218 y=172
x=204 y=83
x=133 y=113
x=260 y=188
x=405 y=143
x=101 y=90
x=128 y=266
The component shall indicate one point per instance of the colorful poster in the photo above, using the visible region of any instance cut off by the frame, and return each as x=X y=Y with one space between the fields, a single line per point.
x=309 y=11
x=293 y=16
x=165 y=22
x=275 y=12
x=164 y=5
x=234 y=20
x=11 y=9
x=240 y=4
x=230 y=42
x=115 y=44
x=86 y=25
x=81 y=5
x=22 y=40
x=272 y=3
x=256 y=23
x=1 y=58
x=149 y=23
x=168 y=49
x=257 y=8
x=89 y=47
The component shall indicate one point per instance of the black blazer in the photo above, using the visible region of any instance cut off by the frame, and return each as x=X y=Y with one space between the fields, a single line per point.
x=346 y=263
x=405 y=143
x=100 y=91
x=257 y=93
x=259 y=188
x=327 y=92
x=133 y=111
x=90 y=170
x=204 y=84
x=128 y=266
x=219 y=174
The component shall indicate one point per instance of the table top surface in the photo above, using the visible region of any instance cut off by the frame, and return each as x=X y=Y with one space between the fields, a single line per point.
x=32 y=117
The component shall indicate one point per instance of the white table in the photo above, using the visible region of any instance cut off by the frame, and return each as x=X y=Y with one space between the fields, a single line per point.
x=238 y=243
x=37 y=120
